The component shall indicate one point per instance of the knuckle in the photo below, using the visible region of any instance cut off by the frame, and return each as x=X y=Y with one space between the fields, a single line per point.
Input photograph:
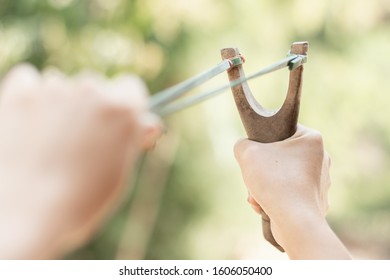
x=19 y=81
x=133 y=83
x=328 y=158
x=244 y=151
x=88 y=86
x=316 y=138
x=239 y=150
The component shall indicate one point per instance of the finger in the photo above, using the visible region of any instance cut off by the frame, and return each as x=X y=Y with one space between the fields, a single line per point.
x=325 y=183
x=328 y=159
x=54 y=81
x=87 y=75
x=89 y=83
x=251 y=200
x=19 y=82
x=241 y=149
x=249 y=152
x=153 y=129
x=254 y=204
x=257 y=209
x=303 y=131
x=52 y=71
x=53 y=75
x=129 y=90
x=325 y=169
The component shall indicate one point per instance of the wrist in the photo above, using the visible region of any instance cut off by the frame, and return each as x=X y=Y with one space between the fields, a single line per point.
x=28 y=229
x=26 y=240
x=309 y=236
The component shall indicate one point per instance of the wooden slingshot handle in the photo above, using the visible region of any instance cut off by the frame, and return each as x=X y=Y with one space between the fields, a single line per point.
x=266 y=126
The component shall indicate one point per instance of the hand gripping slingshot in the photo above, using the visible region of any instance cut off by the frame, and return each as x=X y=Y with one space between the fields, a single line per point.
x=261 y=125
x=265 y=126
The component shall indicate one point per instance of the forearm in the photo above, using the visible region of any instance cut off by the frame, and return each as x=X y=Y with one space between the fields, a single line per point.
x=29 y=228
x=24 y=238
x=308 y=237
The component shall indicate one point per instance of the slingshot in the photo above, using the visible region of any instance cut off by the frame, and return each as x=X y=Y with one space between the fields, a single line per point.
x=261 y=125
x=265 y=126
x=170 y=100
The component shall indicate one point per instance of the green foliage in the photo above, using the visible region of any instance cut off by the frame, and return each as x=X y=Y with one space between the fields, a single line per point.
x=201 y=211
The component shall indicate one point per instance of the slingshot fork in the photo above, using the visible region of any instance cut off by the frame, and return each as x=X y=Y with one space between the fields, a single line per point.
x=266 y=126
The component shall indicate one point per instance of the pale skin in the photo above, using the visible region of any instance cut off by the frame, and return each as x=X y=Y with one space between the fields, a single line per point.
x=67 y=146
x=289 y=180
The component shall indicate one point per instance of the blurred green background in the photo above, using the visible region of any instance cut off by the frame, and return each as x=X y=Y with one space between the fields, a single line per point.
x=189 y=201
